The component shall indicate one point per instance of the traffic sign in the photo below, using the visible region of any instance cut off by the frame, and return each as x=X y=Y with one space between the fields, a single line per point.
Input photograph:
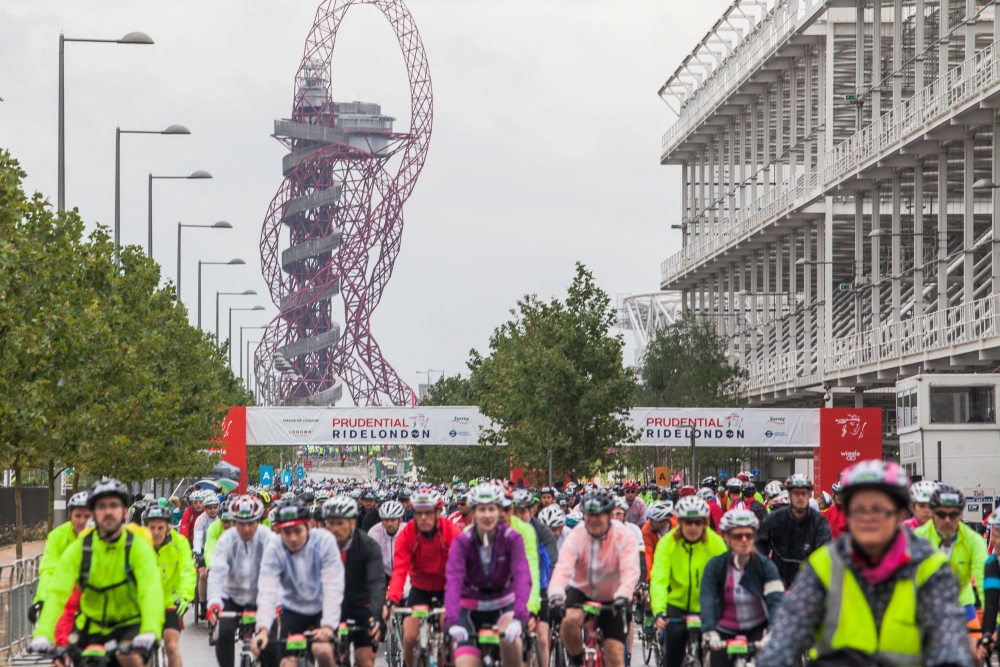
x=286 y=477
x=662 y=476
x=266 y=475
x=723 y=474
x=755 y=472
x=300 y=472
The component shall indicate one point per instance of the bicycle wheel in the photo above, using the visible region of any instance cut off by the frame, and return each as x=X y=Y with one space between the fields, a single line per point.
x=534 y=652
x=557 y=654
x=420 y=658
x=246 y=660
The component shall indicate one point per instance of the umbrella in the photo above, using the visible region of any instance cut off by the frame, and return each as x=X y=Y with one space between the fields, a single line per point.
x=227 y=485
x=207 y=484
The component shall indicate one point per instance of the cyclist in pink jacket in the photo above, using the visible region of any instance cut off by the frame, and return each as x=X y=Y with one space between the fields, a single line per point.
x=599 y=561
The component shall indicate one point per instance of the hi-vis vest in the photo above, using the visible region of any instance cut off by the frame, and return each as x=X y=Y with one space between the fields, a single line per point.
x=848 y=622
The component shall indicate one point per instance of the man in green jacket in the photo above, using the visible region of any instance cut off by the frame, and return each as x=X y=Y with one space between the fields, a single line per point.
x=213 y=534
x=55 y=544
x=178 y=574
x=675 y=584
x=117 y=571
x=527 y=533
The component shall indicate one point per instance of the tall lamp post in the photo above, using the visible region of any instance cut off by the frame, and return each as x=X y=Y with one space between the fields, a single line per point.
x=266 y=326
x=198 y=175
x=173 y=129
x=236 y=261
x=255 y=308
x=248 y=292
x=247 y=378
x=221 y=224
x=130 y=38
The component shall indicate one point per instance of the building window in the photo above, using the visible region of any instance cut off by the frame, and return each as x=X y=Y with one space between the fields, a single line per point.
x=906 y=409
x=962 y=405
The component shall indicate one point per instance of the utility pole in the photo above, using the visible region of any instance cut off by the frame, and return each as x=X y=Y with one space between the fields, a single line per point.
x=693 y=461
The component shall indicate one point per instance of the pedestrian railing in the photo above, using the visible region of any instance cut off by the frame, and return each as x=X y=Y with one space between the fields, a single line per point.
x=18 y=582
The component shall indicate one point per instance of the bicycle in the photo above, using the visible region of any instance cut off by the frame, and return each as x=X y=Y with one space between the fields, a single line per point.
x=489 y=646
x=692 y=648
x=531 y=650
x=200 y=605
x=430 y=647
x=102 y=655
x=557 y=651
x=244 y=634
x=394 y=642
x=298 y=646
x=593 y=637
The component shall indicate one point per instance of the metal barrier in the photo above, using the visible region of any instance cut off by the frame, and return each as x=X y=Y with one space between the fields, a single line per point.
x=18 y=582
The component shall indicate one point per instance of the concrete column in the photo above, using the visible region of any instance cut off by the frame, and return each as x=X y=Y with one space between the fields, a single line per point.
x=767 y=174
x=876 y=257
x=794 y=118
x=807 y=288
x=859 y=261
x=918 y=46
x=779 y=289
x=807 y=158
x=897 y=52
x=754 y=302
x=897 y=266
x=859 y=59
x=742 y=144
x=825 y=284
x=859 y=397
x=685 y=214
x=944 y=26
x=970 y=28
x=942 y=228
x=779 y=134
x=710 y=208
x=731 y=176
x=968 y=237
x=918 y=239
x=768 y=314
x=793 y=294
x=877 y=71
x=754 y=153
x=995 y=246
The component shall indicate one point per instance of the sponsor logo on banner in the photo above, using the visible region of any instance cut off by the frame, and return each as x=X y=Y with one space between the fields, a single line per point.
x=847 y=436
x=851 y=456
x=768 y=434
x=713 y=427
x=776 y=420
x=853 y=426
x=460 y=420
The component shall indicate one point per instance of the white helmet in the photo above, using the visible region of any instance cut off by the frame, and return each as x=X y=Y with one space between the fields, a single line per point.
x=691 y=507
x=921 y=492
x=738 y=518
x=772 y=489
x=705 y=493
x=486 y=494
x=339 y=507
x=780 y=500
x=552 y=516
x=621 y=503
x=391 y=509
x=660 y=511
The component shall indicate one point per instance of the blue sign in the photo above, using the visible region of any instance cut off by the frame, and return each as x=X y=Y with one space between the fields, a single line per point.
x=266 y=475
x=286 y=477
x=723 y=474
x=300 y=472
x=755 y=472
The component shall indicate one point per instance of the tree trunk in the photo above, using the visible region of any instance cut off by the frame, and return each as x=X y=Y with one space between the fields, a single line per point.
x=51 y=471
x=76 y=479
x=18 y=517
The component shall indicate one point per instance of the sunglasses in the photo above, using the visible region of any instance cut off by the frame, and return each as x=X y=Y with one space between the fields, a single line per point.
x=741 y=537
x=630 y=491
x=950 y=516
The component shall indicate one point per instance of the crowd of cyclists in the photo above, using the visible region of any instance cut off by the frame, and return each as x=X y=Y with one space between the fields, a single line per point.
x=874 y=571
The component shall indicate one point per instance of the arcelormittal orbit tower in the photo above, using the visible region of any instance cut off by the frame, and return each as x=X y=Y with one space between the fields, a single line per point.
x=340 y=207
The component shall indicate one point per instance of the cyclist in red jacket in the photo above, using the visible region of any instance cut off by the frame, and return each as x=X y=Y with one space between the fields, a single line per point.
x=186 y=527
x=421 y=553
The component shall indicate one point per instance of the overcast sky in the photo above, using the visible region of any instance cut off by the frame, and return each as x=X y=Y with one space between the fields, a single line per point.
x=545 y=148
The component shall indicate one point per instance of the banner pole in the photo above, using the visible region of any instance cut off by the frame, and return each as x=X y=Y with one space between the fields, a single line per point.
x=691 y=481
x=550 y=468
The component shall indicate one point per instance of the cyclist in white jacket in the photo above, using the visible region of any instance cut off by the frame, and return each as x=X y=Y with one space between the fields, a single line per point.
x=304 y=574
x=385 y=532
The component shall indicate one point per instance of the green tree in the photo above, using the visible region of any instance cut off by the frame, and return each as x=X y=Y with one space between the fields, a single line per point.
x=554 y=380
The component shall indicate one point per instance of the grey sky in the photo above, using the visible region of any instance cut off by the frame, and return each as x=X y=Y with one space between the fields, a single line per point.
x=545 y=147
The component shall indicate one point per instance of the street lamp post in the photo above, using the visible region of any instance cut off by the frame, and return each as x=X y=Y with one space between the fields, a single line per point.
x=266 y=326
x=221 y=224
x=198 y=175
x=248 y=292
x=233 y=262
x=173 y=129
x=247 y=378
x=130 y=38
x=255 y=308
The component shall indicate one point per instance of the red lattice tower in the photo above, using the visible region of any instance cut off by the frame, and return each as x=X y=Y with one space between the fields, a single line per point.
x=343 y=210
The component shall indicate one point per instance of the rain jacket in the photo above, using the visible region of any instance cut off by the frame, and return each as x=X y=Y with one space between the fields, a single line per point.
x=602 y=568
x=211 y=539
x=506 y=582
x=677 y=569
x=531 y=552
x=118 y=593
x=177 y=571
x=236 y=567
x=186 y=527
x=386 y=542
x=760 y=578
x=420 y=557
x=55 y=544
x=968 y=558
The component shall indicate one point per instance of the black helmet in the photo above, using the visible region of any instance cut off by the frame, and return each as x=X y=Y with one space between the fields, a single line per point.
x=598 y=501
x=108 y=487
x=710 y=482
x=947 y=496
x=749 y=488
x=293 y=512
x=157 y=512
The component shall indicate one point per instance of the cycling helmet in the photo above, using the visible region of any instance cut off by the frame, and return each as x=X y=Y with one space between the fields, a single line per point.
x=734 y=485
x=745 y=476
x=77 y=500
x=879 y=475
x=835 y=487
x=921 y=492
x=547 y=489
x=292 y=513
x=772 y=489
x=226 y=516
x=705 y=493
x=246 y=509
x=748 y=487
x=630 y=485
x=322 y=496
x=486 y=494
x=574 y=518
x=265 y=497
x=780 y=500
x=660 y=510
x=946 y=495
x=710 y=482
x=552 y=517
x=211 y=500
x=598 y=501
x=621 y=503
x=827 y=498
x=427 y=499
x=738 y=518
x=798 y=481
x=686 y=490
x=107 y=487
x=308 y=495
x=691 y=507
x=390 y=510
x=340 y=507
x=993 y=520
x=157 y=512
x=523 y=499
x=356 y=494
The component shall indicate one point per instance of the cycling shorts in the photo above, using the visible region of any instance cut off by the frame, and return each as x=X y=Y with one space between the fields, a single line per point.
x=121 y=634
x=473 y=622
x=419 y=596
x=610 y=624
x=360 y=637
x=543 y=611
x=294 y=623
x=171 y=621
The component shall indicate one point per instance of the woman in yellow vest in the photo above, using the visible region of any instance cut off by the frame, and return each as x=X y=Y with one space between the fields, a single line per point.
x=875 y=593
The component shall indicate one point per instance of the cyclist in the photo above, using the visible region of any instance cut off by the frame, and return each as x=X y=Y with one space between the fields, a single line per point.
x=546 y=496
x=555 y=519
x=991 y=591
x=121 y=595
x=233 y=578
x=749 y=501
x=964 y=548
x=364 y=577
x=920 y=497
x=367 y=499
x=385 y=532
x=548 y=554
x=421 y=553
x=771 y=491
x=636 y=512
x=55 y=545
x=658 y=524
x=740 y=590
x=598 y=562
x=213 y=534
x=191 y=514
x=835 y=514
x=210 y=502
x=302 y=572
x=876 y=593
x=177 y=573
x=462 y=516
x=790 y=535
x=732 y=494
x=678 y=564
x=488 y=582
x=530 y=538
